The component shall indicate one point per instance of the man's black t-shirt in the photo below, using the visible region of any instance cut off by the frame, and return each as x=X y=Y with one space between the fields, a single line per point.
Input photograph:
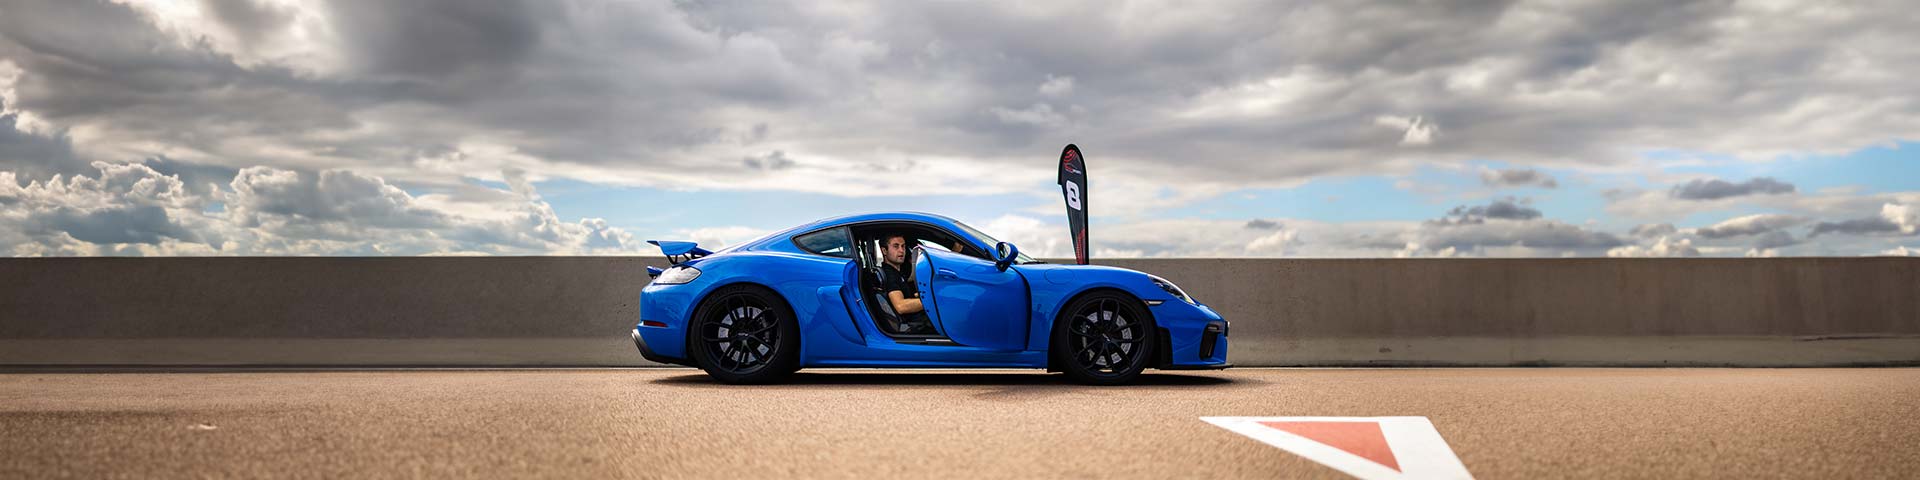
x=893 y=279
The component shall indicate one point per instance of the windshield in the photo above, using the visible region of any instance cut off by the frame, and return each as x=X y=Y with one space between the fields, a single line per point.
x=1020 y=258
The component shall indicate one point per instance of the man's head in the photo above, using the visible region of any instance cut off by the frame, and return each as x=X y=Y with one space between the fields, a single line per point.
x=895 y=247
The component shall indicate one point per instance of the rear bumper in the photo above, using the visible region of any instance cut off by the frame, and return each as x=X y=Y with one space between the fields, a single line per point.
x=649 y=354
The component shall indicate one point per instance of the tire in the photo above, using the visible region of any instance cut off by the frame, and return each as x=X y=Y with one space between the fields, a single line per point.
x=765 y=348
x=1103 y=338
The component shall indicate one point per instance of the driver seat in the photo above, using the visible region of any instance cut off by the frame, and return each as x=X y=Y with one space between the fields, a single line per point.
x=888 y=318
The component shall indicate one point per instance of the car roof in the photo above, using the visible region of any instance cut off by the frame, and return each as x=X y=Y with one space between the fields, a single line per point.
x=923 y=217
x=884 y=216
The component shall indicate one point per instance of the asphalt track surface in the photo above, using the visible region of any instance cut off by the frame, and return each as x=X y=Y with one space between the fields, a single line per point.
x=674 y=423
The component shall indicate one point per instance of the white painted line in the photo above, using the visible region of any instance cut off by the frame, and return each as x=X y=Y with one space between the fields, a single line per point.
x=1346 y=443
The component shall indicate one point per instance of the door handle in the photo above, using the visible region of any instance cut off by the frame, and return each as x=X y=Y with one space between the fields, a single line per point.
x=945 y=274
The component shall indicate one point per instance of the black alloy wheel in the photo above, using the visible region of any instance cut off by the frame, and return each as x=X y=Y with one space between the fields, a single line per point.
x=1106 y=339
x=745 y=335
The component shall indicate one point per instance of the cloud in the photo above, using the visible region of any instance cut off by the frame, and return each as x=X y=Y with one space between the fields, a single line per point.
x=1774 y=239
x=1664 y=247
x=1037 y=115
x=1034 y=237
x=1905 y=216
x=1415 y=250
x=1652 y=230
x=1192 y=237
x=1275 y=243
x=121 y=205
x=312 y=99
x=775 y=160
x=1857 y=226
x=125 y=204
x=437 y=38
x=640 y=93
x=1893 y=219
x=286 y=199
x=1832 y=209
x=1304 y=238
x=1501 y=228
x=132 y=209
x=1516 y=177
x=1509 y=237
x=1500 y=208
x=1715 y=189
x=1057 y=86
x=249 y=20
x=1750 y=225
x=32 y=155
x=714 y=238
x=1504 y=227
x=1415 y=130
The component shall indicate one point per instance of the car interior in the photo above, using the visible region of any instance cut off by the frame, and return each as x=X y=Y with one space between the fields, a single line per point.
x=870 y=253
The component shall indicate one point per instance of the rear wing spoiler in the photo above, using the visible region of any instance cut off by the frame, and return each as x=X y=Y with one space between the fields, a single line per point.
x=677 y=253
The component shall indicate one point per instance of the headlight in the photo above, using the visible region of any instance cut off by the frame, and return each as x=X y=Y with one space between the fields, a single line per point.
x=677 y=275
x=1171 y=288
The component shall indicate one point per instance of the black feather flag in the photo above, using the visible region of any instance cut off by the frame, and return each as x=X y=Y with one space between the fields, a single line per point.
x=1073 y=184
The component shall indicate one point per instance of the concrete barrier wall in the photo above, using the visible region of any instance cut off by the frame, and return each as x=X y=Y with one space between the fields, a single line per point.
x=1598 y=311
x=577 y=310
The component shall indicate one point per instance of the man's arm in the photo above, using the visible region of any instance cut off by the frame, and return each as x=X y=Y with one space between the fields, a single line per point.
x=903 y=305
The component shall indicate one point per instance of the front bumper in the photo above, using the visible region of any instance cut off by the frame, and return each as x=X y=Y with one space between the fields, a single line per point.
x=1193 y=337
x=649 y=354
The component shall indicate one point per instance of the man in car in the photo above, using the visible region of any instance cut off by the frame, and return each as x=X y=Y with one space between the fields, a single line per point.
x=896 y=279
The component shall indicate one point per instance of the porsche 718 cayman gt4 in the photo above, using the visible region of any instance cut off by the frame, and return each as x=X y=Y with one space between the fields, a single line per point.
x=811 y=296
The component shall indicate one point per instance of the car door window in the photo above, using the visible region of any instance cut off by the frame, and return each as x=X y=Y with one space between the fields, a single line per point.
x=947 y=242
x=933 y=244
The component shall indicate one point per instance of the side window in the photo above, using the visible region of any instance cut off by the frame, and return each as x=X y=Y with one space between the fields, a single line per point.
x=932 y=244
x=834 y=242
x=951 y=244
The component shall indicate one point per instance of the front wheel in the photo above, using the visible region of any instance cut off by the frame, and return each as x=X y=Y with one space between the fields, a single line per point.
x=745 y=335
x=1106 y=338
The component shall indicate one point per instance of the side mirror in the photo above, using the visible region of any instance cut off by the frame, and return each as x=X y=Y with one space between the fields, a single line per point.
x=1005 y=253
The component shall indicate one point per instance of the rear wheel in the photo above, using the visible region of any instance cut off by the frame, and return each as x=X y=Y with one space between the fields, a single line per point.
x=1106 y=338
x=745 y=335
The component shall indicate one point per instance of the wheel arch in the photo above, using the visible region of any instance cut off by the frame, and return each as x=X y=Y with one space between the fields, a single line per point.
x=700 y=305
x=1053 y=330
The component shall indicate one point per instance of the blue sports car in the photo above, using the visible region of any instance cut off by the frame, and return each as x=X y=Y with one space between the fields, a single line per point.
x=812 y=296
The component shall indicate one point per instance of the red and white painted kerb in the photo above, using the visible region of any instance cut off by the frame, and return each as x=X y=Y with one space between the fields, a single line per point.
x=1371 y=448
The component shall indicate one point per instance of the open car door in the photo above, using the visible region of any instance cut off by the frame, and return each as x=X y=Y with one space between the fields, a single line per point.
x=974 y=303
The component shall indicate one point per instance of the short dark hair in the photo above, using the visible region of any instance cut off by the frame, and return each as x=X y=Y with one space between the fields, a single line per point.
x=888 y=238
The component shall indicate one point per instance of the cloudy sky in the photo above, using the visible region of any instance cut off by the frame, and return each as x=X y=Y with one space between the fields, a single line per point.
x=1216 y=129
